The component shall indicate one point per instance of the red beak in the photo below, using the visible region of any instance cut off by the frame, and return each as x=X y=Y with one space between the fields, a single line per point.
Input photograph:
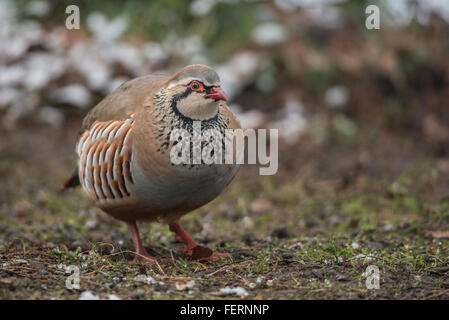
x=217 y=94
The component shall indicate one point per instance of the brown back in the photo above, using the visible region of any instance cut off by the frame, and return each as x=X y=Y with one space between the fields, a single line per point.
x=130 y=97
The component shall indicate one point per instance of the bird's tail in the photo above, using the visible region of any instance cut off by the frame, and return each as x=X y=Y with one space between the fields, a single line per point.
x=71 y=182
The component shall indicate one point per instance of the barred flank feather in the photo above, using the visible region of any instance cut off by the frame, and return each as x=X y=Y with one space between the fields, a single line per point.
x=104 y=160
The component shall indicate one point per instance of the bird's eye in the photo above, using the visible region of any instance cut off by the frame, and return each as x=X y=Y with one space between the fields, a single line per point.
x=196 y=86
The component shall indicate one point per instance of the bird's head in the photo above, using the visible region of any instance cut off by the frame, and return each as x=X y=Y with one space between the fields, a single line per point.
x=195 y=92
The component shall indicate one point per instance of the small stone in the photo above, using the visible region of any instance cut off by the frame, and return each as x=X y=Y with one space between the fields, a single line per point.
x=341 y=277
x=241 y=254
x=318 y=273
x=139 y=293
x=181 y=286
x=19 y=261
x=249 y=239
x=280 y=233
x=190 y=284
x=91 y=224
x=287 y=255
x=110 y=285
x=375 y=245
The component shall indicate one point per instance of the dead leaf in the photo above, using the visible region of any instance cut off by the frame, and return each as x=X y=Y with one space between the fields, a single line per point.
x=439 y=234
x=261 y=205
x=200 y=252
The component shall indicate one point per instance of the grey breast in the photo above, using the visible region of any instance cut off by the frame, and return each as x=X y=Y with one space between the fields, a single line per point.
x=192 y=187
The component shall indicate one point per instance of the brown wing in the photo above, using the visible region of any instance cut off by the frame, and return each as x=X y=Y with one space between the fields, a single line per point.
x=104 y=159
x=129 y=98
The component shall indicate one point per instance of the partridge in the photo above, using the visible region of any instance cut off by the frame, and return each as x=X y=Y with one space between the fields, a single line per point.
x=124 y=145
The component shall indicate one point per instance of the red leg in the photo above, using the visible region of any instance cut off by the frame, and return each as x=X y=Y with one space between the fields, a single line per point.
x=181 y=235
x=194 y=250
x=141 y=253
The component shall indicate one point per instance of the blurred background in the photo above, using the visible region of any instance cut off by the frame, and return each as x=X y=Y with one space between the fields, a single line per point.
x=363 y=153
x=363 y=114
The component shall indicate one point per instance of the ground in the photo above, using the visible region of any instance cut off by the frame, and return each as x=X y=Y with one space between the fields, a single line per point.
x=309 y=232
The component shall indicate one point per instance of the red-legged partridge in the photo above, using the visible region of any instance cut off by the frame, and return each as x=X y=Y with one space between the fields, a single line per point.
x=124 y=148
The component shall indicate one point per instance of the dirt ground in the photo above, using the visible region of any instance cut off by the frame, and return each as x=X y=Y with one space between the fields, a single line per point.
x=309 y=232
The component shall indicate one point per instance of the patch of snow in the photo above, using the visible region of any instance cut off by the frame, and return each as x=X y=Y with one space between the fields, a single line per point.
x=239 y=291
x=106 y=30
x=237 y=72
x=12 y=75
x=291 y=5
x=336 y=96
x=154 y=52
x=37 y=8
x=74 y=94
x=41 y=68
x=51 y=116
x=147 y=279
x=201 y=8
x=269 y=34
x=251 y=118
x=8 y=96
x=326 y=16
x=293 y=122
x=85 y=60
x=403 y=11
x=88 y=295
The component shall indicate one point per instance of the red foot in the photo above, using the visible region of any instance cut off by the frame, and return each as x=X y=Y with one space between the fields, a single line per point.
x=204 y=254
x=216 y=256
x=194 y=250
x=199 y=252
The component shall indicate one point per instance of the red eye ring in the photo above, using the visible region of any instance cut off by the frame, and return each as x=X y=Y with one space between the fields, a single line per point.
x=196 y=86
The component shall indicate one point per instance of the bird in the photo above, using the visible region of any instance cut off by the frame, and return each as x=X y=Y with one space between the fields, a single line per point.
x=123 y=149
